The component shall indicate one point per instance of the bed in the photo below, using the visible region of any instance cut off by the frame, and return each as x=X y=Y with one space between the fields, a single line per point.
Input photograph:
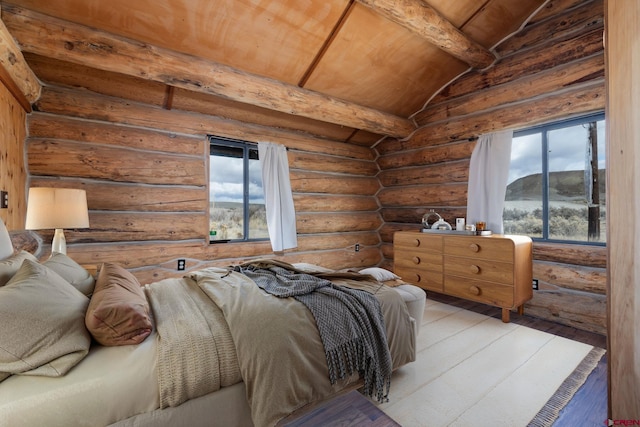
x=210 y=348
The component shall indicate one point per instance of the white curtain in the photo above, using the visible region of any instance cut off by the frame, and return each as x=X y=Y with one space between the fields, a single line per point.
x=281 y=214
x=488 y=175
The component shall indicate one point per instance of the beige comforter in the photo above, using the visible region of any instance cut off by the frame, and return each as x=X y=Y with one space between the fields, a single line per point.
x=196 y=354
x=279 y=352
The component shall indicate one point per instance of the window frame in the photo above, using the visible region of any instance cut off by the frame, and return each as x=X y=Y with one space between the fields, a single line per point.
x=246 y=147
x=544 y=130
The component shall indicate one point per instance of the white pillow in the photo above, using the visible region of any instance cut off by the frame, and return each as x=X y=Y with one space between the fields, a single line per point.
x=380 y=274
x=72 y=272
x=6 y=247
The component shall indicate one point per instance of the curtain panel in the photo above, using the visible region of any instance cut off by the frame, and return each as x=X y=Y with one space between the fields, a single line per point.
x=281 y=215
x=488 y=175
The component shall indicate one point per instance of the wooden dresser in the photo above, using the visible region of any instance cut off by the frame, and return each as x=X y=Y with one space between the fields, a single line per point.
x=495 y=270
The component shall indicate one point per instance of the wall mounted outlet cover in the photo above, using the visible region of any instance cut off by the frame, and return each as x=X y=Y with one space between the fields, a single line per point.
x=181 y=264
x=4 y=199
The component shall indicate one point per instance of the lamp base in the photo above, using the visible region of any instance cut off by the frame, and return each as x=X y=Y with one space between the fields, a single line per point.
x=59 y=243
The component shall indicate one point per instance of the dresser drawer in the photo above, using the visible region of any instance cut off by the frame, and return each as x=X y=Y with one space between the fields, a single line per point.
x=478 y=290
x=425 y=279
x=480 y=247
x=418 y=241
x=479 y=269
x=418 y=259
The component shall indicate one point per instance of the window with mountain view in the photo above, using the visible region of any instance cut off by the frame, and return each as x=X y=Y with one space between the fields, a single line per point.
x=236 y=198
x=556 y=186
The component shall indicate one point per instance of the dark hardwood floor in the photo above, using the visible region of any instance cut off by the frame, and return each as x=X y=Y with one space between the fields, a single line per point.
x=588 y=407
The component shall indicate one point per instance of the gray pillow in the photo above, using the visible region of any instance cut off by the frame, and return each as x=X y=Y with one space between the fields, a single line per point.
x=72 y=272
x=42 y=318
x=11 y=265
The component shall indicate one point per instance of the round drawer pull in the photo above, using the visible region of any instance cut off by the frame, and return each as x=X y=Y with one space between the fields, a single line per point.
x=417 y=242
x=474 y=269
x=474 y=247
x=475 y=290
x=416 y=260
x=418 y=278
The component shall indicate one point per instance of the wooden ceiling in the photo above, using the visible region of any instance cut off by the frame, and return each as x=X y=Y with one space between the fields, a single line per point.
x=352 y=70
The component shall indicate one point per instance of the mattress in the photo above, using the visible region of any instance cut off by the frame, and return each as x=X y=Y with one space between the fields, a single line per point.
x=110 y=384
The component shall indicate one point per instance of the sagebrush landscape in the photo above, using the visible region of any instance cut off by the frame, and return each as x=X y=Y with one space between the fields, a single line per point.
x=568 y=207
x=226 y=221
x=568 y=210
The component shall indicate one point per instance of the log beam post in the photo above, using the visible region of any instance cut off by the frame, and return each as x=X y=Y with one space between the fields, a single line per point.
x=420 y=18
x=66 y=41
x=15 y=73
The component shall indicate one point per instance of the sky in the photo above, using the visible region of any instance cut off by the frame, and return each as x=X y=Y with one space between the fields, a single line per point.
x=226 y=180
x=567 y=151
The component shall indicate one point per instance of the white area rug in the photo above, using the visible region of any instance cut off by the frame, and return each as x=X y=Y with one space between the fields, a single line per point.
x=474 y=370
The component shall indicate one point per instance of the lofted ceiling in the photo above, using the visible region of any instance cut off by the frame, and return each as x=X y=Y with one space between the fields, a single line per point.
x=364 y=68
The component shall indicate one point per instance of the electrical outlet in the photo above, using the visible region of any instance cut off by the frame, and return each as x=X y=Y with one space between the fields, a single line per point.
x=4 y=199
x=181 y=264
x=357 y=247
x=535 y=284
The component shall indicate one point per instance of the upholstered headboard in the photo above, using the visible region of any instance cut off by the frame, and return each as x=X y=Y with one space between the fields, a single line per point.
x=26 y=240
x=16 y=241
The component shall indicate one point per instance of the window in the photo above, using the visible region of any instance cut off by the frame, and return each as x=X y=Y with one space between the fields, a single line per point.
x=236 y=198
x=556 y=185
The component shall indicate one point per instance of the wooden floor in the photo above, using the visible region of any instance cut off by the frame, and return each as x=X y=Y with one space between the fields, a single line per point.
x=589 y=404
x=348 y=410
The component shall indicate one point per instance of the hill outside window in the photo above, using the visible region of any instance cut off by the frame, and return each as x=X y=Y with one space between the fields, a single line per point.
x=236 y=197
x=556 y=185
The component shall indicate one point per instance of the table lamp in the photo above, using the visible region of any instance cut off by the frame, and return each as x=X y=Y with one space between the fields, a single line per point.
x=57 y=208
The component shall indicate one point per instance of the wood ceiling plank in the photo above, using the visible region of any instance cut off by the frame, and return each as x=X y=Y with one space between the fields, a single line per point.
x=457 y=12
x=74 y=43
x=276 y=39
x=382 y=66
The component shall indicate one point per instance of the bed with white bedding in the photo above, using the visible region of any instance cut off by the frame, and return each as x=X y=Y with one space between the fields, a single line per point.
x=221 y=351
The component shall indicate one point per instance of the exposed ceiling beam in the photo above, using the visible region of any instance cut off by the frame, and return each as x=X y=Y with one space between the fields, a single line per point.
x=62 y=40
x=425 y=21
x=15 y=72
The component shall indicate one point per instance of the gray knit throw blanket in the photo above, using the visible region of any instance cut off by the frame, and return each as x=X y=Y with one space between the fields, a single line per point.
x=349 y=321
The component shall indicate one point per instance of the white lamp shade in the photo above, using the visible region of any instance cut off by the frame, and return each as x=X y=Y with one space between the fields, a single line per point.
x=56 y=208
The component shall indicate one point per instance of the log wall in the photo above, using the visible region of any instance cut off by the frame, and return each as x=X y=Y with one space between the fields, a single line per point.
x=145 y=169
x=553 y=69
x=140 y=150
x=13 y=176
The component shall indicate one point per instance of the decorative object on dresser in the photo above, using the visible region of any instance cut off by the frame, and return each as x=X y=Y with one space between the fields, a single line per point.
x=57 y=208
x=495 y=270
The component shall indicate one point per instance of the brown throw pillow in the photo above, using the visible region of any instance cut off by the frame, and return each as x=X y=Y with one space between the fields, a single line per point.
x=118 y=313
